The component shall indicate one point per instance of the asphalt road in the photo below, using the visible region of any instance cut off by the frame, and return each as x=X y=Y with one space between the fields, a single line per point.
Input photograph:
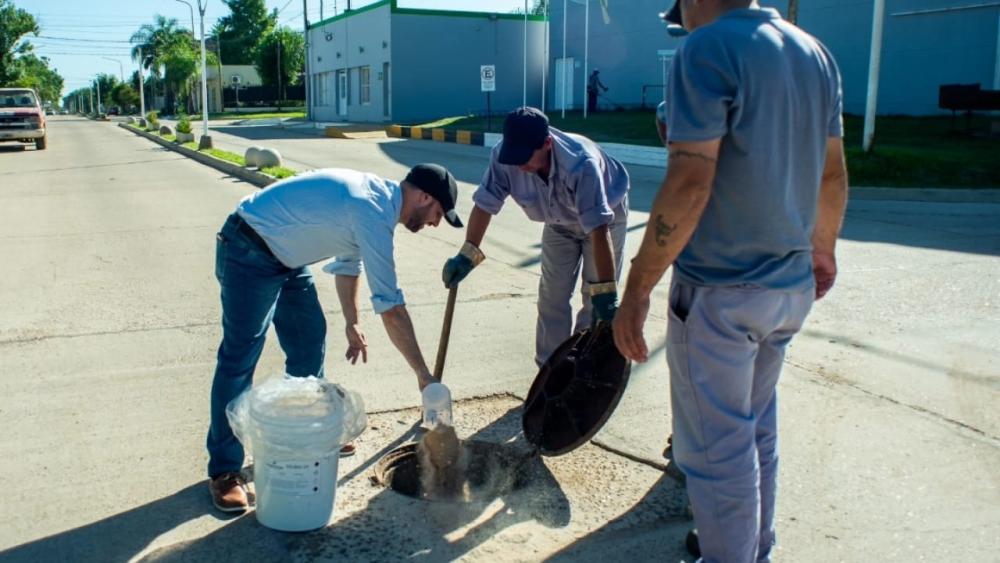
x=891 y=435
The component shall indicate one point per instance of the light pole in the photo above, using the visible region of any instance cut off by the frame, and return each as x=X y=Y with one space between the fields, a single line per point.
x=206 y=141
x=191 y=9
x=121 y=68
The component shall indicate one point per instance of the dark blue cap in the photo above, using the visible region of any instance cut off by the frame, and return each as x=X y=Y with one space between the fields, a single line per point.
x=674 y=15
x=524 y=132
x=437 y=182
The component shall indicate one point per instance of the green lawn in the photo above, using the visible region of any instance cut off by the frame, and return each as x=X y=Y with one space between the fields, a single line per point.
x=298 y=113
x=908 y=151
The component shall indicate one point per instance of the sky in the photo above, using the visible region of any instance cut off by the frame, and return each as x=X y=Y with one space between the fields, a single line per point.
x=83 y=39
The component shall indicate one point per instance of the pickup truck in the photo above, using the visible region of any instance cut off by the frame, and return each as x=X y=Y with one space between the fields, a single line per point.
x=21 y=117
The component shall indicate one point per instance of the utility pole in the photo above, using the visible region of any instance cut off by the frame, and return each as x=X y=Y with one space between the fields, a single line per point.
x=279 y=70
x=98 y=94
x=308 y=77
x=142 y=88
x=874 y=65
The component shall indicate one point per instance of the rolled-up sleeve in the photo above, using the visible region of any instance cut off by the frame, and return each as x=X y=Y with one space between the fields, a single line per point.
x=344 y=266
x=375 y=239
x=494 y=188
x=591 y=196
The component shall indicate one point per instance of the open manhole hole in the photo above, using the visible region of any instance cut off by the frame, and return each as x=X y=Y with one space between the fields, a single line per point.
x=571 y=398
x=485 y=471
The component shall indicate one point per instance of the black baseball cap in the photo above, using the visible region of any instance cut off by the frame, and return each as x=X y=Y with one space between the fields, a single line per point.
x=674 y=14
x=524 y=132
x=437 y=182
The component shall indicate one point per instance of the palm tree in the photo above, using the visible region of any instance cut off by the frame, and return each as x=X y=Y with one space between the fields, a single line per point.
x=156 y=42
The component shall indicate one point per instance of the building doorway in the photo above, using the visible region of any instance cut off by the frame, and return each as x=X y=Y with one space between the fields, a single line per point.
x=564 y=83
x=341 y=92
x=386 y=107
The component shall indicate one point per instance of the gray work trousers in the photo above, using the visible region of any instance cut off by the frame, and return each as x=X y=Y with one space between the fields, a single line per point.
x=725 y=347
x=563 y=249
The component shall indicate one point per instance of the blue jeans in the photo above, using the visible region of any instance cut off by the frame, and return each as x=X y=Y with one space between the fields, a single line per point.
x=256 y=290
x=725 y=346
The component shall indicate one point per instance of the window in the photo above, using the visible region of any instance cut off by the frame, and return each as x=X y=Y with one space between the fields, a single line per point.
x=366 y=85
x=321 y=88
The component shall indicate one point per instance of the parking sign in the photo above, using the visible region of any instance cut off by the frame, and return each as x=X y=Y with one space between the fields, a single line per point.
x=488 y=78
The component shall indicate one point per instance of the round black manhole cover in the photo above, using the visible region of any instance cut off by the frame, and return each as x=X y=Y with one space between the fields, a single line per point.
x=485 y=471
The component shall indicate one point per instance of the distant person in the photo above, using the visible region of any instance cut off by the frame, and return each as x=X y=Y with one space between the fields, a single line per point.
x=594 y=86
x=580 y=193
x=748 y=215
x=262 y=257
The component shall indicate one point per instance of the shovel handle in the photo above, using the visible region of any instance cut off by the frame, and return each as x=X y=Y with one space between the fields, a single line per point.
x=449 y=311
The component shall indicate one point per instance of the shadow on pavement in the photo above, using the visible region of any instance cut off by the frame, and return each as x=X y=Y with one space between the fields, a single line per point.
x=119 y=537
x=652 y=530
x=392 y=526
x=263 y=132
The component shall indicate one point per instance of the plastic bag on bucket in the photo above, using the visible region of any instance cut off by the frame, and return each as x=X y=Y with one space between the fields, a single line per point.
x=298 y=417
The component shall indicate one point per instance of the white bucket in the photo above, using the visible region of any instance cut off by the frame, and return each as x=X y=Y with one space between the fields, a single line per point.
x=295 y=426
x=295 y=495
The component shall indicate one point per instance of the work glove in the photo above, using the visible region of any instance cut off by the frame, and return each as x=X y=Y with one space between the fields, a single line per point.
x=603 y=301
x=459 y=266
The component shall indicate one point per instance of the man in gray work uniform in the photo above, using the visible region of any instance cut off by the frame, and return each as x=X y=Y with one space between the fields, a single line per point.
x=748 y=215
x=569 y=183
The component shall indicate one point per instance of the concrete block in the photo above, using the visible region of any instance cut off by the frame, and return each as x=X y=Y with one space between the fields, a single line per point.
x=251 y=155
x=268 y=157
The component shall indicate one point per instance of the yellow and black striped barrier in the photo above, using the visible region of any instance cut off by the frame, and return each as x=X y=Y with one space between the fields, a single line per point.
x=442 y=135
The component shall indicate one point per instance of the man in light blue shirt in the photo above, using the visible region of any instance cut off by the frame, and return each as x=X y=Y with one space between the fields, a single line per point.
x=263 y=254
x=748 y=215
x=581 y=194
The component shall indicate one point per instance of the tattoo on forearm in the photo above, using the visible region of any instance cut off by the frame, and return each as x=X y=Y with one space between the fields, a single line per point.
x=663 y=231
x=679 y=153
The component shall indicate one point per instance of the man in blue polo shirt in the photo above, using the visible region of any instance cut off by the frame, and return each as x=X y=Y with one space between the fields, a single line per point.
x=263 y=254
x=581 y=194
x=748 y=215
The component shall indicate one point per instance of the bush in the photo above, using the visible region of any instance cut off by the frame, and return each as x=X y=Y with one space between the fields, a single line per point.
x=152 y=118
x=184 y=125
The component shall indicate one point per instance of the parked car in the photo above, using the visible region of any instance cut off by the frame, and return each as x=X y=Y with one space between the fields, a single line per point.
x=21 y=117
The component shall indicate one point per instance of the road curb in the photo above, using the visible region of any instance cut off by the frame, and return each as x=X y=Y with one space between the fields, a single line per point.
x=254 y=177
x=461 y=136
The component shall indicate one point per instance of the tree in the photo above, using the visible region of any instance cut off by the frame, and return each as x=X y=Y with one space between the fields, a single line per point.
x=171 y=53
x=287 y=44
x=36 y=74
x=125 y=96
x=15 y=23
x=155 y=40
x=540 y=8
x=241 y=31
x=107 y=83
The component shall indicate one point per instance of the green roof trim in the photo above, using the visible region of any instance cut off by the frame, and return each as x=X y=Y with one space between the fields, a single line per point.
x=395 y=9
x=459 y=14
x=345 y=15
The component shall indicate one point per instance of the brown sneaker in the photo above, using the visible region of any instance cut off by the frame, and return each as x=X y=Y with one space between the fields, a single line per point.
x=229 y=492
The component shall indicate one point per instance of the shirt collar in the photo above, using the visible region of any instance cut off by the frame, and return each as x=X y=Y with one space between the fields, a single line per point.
x=756 y=13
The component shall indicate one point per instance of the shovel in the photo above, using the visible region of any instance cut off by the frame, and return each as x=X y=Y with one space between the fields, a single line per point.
x=449 y=312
